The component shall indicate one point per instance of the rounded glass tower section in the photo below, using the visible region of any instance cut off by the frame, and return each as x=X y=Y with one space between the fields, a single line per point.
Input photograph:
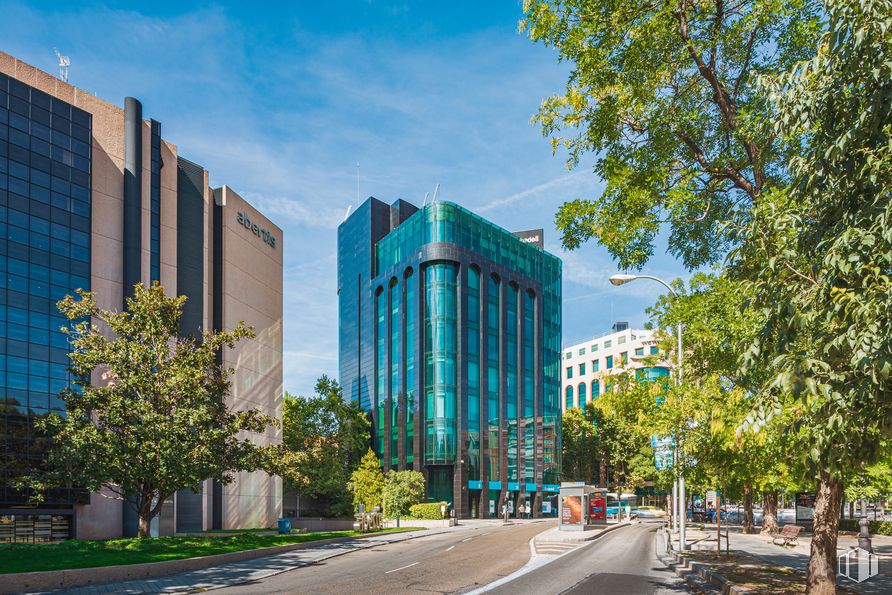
x=440 y=354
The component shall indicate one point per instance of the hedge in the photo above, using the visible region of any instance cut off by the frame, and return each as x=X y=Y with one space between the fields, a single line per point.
x=875 y=527
x=431 y=511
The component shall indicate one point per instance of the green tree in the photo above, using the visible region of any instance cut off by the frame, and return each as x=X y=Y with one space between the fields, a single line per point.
x=718 y=326
x=402 y=490
x=330 y=435
x=367 y=482
x=622 y=418
x=581 y=446
x=820 y=256
x=147 y=415
x=662 y=93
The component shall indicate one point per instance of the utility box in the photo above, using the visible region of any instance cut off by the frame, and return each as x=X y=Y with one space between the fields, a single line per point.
x=581 y=506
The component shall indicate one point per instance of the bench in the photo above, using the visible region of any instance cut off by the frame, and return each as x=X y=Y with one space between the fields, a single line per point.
x=789 y=535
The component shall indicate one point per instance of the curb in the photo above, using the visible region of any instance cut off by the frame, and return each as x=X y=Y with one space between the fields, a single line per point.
x=50 y=580
x=694 y=573
x=607 y=529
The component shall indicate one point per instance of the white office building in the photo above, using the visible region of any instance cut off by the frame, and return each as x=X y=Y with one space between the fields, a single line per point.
x=588 y=365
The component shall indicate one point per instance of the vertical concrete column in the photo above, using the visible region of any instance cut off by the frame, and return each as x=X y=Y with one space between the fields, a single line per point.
x=132 y=194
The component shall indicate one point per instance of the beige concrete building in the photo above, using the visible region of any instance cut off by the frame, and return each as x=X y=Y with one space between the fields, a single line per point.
x=587 y=366
x=92 y=196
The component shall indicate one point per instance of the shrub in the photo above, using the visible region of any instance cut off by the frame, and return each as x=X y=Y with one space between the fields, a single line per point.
x=875 y=527
x=402 y=489
x=367 y=482
x=430 y=511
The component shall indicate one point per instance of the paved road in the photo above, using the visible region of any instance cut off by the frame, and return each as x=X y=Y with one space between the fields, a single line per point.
x=450 y=562
x=622 y=561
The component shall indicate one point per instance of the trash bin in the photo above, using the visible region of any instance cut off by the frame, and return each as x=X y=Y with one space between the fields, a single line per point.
x=284 y=525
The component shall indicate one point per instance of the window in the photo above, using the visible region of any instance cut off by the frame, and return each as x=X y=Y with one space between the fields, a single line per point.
x=582 y=369
x=654 y=350
x=607 y=344
x=568 y=355
x=569 y=372
x=595 y=365
x=621 y=340
x=596 y=388
x=594 y=347
x=639 y=351
x=609 y=363
x=624 y=357
x=582 y=351
x=569 y=397
x=582 y=394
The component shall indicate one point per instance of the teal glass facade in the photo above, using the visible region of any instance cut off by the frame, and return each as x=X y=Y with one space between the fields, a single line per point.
x=480 y=311
x=440 y=355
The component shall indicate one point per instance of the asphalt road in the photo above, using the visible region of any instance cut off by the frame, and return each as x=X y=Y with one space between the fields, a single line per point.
x=451 y=562
x=621 y=561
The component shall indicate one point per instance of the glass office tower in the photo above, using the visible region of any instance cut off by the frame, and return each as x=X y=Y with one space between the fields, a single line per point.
x=450 y=334
x=45 y=168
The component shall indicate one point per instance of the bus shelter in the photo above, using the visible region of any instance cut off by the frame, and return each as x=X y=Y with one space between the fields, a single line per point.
x=582 y=507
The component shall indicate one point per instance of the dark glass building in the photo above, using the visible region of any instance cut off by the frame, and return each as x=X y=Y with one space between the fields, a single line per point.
x=450 y=336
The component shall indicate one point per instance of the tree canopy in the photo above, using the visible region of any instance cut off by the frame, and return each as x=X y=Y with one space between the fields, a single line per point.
x=662 y=94
x=330 y=436
x=147 y=413
x=367 y=482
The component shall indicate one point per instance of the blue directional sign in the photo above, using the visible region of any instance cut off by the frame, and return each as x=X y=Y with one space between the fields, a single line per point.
x=663 y=459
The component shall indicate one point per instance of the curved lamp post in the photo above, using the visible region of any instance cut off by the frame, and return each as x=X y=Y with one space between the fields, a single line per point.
x=621 y=279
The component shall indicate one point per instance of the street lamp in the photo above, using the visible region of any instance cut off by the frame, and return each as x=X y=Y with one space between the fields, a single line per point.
x=621 y=279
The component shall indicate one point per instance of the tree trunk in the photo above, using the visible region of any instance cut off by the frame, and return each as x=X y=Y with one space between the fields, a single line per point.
x=851 y=509
x=769 y=512
x=144 y=524
x=149 y=507
x=822 y=561
x=747 y=507
x=603 y=471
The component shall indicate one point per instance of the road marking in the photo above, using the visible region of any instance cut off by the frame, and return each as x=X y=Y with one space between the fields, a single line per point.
x=401 y=568
x=468 y=539
x=450 y=547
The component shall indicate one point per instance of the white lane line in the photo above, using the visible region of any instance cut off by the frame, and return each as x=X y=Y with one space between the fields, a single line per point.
x=401 y=567
x=450 y=547
x=468 y=539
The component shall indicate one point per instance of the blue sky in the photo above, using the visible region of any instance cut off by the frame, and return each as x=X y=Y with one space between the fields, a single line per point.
x=281 y=106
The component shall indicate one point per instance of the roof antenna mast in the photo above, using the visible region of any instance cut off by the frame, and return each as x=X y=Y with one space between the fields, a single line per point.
x=64 y=63
x=436 y=192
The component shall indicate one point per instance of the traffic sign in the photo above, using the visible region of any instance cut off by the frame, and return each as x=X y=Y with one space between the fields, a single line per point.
x=663 y=459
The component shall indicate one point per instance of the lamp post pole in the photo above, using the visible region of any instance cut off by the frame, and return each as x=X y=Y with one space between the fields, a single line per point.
x=681 y=506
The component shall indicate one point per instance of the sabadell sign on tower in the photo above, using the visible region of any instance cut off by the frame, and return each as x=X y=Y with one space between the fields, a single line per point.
x=258 y=231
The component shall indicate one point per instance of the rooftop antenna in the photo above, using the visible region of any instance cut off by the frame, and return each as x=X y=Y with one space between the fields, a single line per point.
x=64 y=63
x=436 y=192
x=426 y=195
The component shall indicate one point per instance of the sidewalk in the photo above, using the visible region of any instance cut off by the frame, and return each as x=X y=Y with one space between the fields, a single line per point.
x=216 y=577
x=797 y=557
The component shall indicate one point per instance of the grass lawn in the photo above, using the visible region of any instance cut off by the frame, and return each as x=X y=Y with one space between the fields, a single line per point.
x=33 y=557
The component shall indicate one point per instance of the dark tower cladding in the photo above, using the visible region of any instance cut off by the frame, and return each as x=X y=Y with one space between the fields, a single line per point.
x=450 y=337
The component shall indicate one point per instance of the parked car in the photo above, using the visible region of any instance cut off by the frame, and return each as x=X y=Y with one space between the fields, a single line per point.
x=649 y=512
